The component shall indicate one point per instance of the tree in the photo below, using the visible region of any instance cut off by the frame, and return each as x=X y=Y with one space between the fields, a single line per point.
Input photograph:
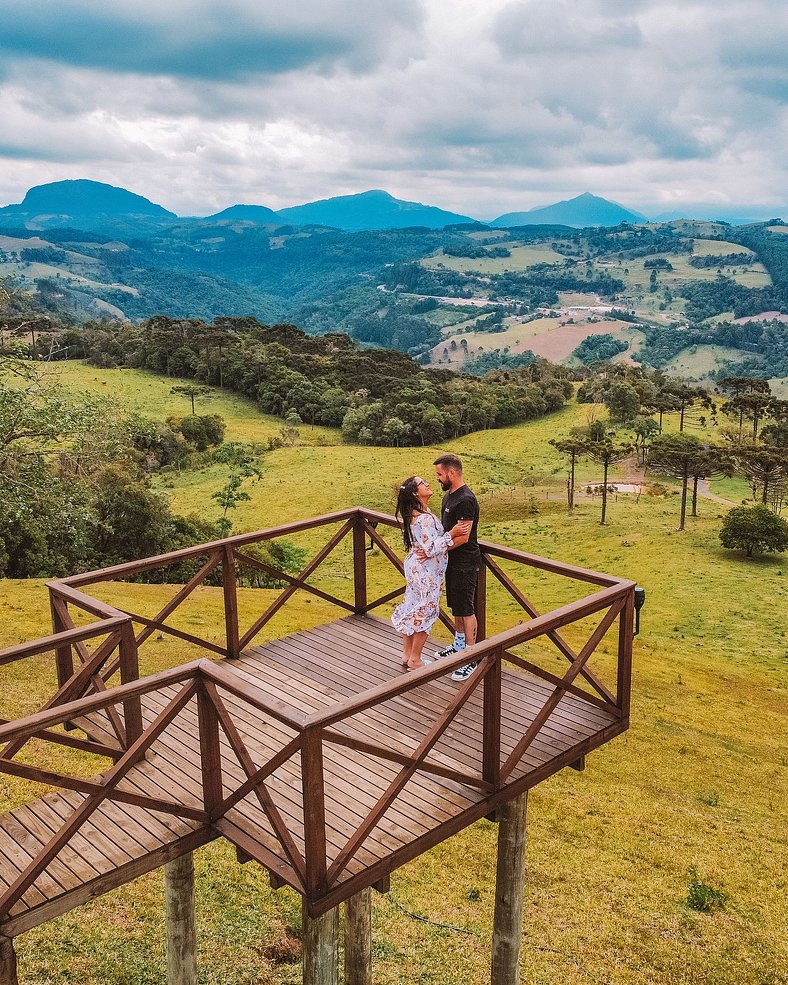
x=676 y=455
x=710 y=462
x=763 y=466
x=606 y=452
x=573 y=447
x=754 y=529
x=645 y=428
x=622 y=400
x=191 y=390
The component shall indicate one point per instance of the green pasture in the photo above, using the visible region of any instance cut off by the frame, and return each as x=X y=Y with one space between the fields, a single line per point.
x=151 y=395
x=699 y=782
x=718 y=247
x=698 y=362
x=635 y=275
x=522 y=258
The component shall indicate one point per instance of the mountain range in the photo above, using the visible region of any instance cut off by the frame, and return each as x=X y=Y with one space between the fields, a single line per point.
x=93 y=205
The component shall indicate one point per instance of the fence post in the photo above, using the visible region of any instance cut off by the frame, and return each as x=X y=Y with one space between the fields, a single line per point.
x=481 y=602
x=359 y=565
x=509 y=890
x=491 y=735
x=230 y=603
x=210 y=751
x=314 y=812
x=130 y=671
x=626 y=628
x=181 y=923
x=64 y=656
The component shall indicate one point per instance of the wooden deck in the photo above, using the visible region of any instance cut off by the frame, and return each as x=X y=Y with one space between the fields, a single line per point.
x=305 y=673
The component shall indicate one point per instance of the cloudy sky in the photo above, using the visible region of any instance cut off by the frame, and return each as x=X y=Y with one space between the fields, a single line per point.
x=478 y=106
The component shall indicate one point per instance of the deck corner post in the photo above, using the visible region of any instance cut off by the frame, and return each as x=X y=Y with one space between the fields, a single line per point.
x=8 y=975
x=509 y=889
x=359 y=565
x=181 y=923
x=358 y=939
x=313 y=783
x=625 y=642
x=229 y=586
x=321 y=947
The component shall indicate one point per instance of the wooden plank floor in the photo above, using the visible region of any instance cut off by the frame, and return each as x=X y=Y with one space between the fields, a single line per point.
x=307 y=671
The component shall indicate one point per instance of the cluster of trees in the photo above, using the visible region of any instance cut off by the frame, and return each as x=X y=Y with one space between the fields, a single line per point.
x=74 y=492
x=475 y=251
x=599 y=348
x=377 y=396
x=722 y=260
x=538 y=286
x=425 y=414
x=766 y=340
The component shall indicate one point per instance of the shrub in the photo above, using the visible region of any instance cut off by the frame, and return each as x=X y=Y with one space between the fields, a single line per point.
x=754 y=529
x=702 y=897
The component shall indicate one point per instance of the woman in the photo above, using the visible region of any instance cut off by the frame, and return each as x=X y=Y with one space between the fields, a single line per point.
x=423 y=579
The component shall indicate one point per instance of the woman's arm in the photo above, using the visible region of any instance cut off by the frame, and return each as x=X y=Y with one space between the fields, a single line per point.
x=428 y=539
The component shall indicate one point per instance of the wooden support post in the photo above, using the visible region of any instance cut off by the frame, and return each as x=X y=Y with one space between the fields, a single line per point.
x=181 y=924
x=230 y=603
x=321 y=947
x=7 y=962
x=359 y=566
x=509 y=889
x=358 y=939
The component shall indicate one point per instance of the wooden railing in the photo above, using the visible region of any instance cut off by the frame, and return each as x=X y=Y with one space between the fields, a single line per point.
x=309 y=867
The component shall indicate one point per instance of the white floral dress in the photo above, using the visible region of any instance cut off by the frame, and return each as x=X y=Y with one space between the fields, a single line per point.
x=423 y=579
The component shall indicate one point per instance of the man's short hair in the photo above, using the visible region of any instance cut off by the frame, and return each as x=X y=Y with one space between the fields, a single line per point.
x=449 y=462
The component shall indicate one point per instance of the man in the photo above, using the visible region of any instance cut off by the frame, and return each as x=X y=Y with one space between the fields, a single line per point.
x=459 y=503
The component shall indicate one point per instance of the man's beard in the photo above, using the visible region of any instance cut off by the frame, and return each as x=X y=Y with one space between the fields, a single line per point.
x=445 y=486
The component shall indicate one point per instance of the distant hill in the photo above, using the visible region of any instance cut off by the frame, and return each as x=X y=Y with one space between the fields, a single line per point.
x=81 y=199
x=584 y=210
x=246 y=213
x=370 y=210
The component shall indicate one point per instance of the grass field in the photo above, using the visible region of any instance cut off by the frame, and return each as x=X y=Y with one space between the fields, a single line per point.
x=699 y=782
x=151 y=395
x=522 y=258
x=698 y=362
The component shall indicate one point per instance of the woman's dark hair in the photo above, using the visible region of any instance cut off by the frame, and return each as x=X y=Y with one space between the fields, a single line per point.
x=407 y=505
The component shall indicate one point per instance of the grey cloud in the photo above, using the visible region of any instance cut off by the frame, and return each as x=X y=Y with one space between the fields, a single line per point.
x=199 y=39
x=523 y=28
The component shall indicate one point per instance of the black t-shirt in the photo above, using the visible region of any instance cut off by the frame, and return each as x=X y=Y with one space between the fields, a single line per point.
x=462 y=505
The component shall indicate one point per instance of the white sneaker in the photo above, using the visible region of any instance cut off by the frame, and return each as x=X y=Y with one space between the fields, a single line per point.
x=464 y=672
x=448 y=651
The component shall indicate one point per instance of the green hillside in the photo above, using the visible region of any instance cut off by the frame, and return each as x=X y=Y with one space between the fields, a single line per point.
x=698 y=783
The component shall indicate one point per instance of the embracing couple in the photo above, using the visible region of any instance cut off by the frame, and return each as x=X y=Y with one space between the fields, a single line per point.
x=436 y=548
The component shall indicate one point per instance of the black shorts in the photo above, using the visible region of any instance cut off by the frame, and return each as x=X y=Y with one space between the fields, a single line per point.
x=461 y=590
